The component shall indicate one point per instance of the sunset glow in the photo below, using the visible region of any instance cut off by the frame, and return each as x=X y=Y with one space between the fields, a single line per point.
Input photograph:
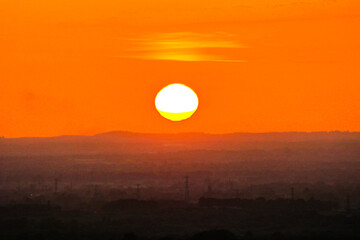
x=179 y=119
x=85 y=67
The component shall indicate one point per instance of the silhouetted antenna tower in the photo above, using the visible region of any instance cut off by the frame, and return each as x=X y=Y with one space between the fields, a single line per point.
x=187 y=194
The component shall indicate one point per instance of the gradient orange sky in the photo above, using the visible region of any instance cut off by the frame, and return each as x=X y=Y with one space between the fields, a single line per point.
x=86 y=66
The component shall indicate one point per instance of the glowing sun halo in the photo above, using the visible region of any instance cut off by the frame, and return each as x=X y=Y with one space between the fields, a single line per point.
x=176 y=102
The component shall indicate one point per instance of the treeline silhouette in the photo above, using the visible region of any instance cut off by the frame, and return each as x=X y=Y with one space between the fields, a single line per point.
x=277 y=204
x=208 y=219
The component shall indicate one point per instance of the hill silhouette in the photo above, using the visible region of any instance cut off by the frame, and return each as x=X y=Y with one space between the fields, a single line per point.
x=122 y=142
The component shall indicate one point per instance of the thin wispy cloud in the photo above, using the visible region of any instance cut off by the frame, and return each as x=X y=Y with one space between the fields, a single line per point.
x=185 y=46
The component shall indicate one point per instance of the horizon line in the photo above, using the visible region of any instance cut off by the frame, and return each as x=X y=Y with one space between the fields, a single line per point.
x=178 y=133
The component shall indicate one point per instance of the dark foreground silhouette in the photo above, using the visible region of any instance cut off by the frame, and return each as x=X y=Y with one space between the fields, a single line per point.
x=210 y=219
x=181 y=186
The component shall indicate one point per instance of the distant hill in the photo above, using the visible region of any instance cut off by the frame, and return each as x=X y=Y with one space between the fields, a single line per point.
x=120 y=142
x=270 y=136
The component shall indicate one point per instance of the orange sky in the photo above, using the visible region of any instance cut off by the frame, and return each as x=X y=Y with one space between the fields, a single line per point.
x=86 y=66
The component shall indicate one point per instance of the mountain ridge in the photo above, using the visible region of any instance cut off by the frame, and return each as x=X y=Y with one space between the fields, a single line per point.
x=134 y=134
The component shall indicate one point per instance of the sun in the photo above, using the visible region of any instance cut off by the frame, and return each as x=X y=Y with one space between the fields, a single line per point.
x=176 y=102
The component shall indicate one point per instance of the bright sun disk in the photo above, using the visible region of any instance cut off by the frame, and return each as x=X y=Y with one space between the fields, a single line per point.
x=176 y=102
